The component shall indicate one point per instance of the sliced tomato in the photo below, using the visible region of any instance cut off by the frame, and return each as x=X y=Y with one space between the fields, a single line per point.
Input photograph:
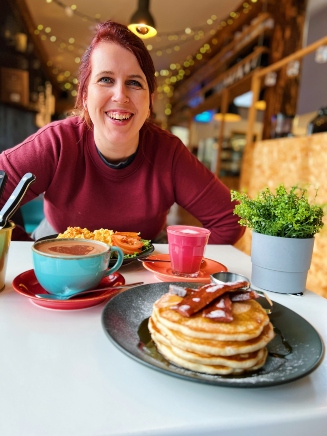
x=129 y=234
x=127 y=244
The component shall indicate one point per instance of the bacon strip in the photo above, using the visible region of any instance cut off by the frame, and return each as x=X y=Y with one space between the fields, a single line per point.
x=244 y=295
x=220 y=309
x=181 y=291
x=205 y=295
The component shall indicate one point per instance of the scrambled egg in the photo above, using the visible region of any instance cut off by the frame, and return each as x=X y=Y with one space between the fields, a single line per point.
x=103 y=235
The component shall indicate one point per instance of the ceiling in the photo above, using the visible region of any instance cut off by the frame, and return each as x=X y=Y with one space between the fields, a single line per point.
x=66 y=31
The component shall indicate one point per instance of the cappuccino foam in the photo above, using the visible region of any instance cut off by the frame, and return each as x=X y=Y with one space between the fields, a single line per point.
x=71 y=248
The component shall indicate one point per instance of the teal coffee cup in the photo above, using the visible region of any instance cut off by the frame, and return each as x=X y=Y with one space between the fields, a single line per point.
x=68 y=266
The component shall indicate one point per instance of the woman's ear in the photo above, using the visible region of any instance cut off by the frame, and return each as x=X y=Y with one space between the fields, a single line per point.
x=151 y=105
x=85 y=102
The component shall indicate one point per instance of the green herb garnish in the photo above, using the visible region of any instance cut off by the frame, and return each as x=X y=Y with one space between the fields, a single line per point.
x=146 y=246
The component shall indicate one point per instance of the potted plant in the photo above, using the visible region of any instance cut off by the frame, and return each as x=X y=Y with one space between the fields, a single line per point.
x=283 y=226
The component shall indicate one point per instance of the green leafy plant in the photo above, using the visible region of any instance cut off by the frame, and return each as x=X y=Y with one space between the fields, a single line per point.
x=286 y=214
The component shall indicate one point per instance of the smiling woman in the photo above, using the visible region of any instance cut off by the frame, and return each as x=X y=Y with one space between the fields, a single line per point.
x=117 y=100
x=118 y=169
x=125 y=40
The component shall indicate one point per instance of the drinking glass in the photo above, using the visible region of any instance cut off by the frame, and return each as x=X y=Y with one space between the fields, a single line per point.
x=186 y=249
x=5 y=239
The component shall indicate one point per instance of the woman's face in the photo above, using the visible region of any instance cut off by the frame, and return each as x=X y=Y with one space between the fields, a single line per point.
x=117 y=99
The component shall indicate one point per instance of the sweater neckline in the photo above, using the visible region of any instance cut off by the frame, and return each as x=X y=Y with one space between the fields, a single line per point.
x=108 y=170
x=120 y=165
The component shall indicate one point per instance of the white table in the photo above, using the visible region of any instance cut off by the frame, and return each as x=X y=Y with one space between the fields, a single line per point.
x=61 y=376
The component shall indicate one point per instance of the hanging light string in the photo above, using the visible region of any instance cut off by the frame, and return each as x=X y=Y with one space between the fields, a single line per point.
x=184 y=34
x=173 y=73
x=72 y=10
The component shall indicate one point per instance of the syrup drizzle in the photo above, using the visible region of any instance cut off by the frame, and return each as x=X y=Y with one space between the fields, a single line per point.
x=287 y=346
x=146 y=343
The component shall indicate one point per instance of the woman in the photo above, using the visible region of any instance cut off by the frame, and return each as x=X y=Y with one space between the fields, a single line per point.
x=109 y=167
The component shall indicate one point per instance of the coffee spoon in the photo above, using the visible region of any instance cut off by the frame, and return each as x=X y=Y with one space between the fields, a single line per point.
x=150 y=259
x=67 y=297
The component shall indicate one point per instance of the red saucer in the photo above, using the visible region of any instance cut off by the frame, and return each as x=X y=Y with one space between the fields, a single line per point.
x=163 y=272
x=27 y=285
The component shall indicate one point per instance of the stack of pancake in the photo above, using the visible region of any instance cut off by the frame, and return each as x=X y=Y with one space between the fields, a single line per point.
x=203 y=344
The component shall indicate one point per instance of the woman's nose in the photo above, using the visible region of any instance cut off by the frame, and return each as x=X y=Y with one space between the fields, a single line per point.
x=119 y=94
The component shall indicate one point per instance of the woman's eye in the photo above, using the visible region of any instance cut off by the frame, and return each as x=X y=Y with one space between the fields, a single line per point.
x=134 y=84
x=105 y=80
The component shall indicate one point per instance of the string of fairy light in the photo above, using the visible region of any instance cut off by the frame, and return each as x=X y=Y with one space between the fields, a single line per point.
x=164 y=43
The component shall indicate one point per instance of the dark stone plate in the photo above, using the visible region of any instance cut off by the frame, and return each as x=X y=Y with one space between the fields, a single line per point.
x=295 y=352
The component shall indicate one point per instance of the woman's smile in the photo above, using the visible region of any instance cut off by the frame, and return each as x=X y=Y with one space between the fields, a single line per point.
x=119 y=116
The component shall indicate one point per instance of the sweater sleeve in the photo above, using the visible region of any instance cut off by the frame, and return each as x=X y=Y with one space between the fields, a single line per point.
x=37 y=154
x=204 y=196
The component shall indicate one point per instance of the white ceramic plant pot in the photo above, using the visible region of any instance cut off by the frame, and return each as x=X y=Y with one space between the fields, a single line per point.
x=280 y=264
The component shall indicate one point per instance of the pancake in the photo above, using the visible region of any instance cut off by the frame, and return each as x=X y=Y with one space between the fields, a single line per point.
x=207 y=369
x=248 y=323
x=236 y=361
x=209 y=346
x=215 y=347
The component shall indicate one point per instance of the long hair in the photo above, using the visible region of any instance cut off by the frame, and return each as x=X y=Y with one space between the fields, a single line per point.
x=110 y=31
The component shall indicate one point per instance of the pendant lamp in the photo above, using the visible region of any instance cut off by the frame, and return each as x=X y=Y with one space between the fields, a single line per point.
x=231 y=115
x=142 y=22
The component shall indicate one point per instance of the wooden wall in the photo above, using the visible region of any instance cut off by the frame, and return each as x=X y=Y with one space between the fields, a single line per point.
x=291 y=161
x=16 y=124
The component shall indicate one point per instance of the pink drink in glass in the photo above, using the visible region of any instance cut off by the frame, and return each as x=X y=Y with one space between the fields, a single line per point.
x=186 y=249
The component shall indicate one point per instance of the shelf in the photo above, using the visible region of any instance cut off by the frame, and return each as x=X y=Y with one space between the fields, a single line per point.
x=222 y=61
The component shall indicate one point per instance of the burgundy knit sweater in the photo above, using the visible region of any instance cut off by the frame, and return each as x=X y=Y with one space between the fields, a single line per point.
x=81 y=190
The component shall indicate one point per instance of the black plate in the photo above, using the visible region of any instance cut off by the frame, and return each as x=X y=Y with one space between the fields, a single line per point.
x=126 y=261
x=124 y=320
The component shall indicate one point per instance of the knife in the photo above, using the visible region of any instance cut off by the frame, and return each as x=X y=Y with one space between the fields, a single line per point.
x=149 y=259
x=15 y=199
x=3 y=180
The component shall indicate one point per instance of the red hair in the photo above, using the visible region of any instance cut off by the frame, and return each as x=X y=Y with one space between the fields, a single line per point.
x=121 y=35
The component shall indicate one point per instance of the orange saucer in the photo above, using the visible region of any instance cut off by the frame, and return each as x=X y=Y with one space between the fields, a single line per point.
x=163 y=272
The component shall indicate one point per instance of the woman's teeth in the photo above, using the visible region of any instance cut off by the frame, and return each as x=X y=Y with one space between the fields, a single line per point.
x=118 y=116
